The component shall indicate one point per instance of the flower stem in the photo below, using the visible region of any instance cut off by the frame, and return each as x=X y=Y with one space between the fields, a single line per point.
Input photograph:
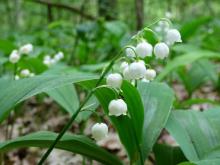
x=69 y=123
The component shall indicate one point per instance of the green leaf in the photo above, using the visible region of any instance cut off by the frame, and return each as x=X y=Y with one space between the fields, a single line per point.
x=69 y=142
x=88 y=109
x=189 y=28
x=157 y=99
x=150 y=36
x=129 y=127
x=200 y=72
x=165 y=154
x=16 y=91
x=184 y=60
x=66 y=96
x=202 y=162
x=6 y=46
x=197 y=133
x=208 y=162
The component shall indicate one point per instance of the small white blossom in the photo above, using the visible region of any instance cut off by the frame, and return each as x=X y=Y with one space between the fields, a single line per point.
x=173 y=36
x=17 y=77
x=59 y=56
x=14 y=57
x=137 y=70
x=99 y=131
x=150 y=74
x=31 y=75
x=53 y=61
x=130 y=52
x=123 y=66
x=126 y=74
x=144 y=49
x=117 y=107
x=25 y=73
x=47 y=60
x=163 y=26
x=161 y=50
x=26 y=49
x=168 y=15
x=114 y=80
x=145 y=80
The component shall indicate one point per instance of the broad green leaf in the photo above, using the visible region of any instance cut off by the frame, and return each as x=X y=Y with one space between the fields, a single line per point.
x=169 y=155
x=185 y=48
x=17 y=91
x=197 y=133
x=66 y=96
x=189 y=28
x=88 y=109
x=129 y=127
x=94 y=67
x=69 y=142
x=184 y=60
x=201 y=71
x=6 y=46
x=157 y=99
x=208 y=162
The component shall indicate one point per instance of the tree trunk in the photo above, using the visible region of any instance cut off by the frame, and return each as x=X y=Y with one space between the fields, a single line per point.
x=139 y=4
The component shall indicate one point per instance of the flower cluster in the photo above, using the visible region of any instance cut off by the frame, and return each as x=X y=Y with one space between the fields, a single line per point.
x=48 y=60
x=15 y=55
x=133 y=69
x=24 y=73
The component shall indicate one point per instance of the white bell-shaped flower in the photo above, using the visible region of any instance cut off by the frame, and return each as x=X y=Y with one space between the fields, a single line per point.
x=114 y=80
x=123 y=66
x=47 y=60
x=59 y=56
x=14 y=56
x=150 y=74
x=126 y=74
x=144 y=49
x=99 y=131
x=137 y=70
x=17 y=77
x=145 y=80
x=130 y=51
x=161 y=50
x=25 y=73
x=26 y=49
x=172 y=36
x=117 y=107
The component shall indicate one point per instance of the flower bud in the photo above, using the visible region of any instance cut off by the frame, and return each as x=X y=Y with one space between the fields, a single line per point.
x=26 y=49
x=99 y=131
x=123 y=66
x=25 y=73
x=150 y=74
x=130 y=52
x=114 y=80
x=161 y=50
x=14 y=57
x=137 y=70
x=117 y=107
x=144 y=49
x=173 y=36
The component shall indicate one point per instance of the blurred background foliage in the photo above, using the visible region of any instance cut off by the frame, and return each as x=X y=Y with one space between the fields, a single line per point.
x=93 y=31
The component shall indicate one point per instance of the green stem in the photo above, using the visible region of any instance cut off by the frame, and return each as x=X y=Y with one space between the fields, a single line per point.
x=69 y=123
